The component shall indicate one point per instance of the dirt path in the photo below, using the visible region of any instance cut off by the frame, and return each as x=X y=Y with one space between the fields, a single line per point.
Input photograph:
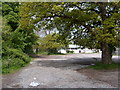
x=108 y=76
x=57 y=72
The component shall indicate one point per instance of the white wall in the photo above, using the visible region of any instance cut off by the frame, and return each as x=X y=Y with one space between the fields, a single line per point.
x=62 y=51
x=86 y=50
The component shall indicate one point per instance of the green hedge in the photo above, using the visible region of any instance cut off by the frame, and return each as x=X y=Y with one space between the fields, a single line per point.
x=70 y=51
x=13 y=59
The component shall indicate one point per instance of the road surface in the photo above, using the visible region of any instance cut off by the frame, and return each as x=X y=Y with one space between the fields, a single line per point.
x=56 y=71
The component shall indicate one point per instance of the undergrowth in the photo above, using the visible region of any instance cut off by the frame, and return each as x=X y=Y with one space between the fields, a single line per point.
x=13 y=59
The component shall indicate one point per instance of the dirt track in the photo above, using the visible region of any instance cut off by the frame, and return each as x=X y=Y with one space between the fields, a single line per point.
x=60 y=72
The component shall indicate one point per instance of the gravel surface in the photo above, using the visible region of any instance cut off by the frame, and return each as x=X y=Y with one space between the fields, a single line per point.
x=56 y=71
x=108 y=76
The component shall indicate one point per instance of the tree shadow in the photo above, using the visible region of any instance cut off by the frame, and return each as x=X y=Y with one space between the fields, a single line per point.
x=37 y=56
x=72 y=63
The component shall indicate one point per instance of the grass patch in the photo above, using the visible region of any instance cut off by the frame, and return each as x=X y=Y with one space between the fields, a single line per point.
x=116 y=55
x=56 y=54
x=101 y=66
x=42 y=53
x=48 y=53
x=12 y=69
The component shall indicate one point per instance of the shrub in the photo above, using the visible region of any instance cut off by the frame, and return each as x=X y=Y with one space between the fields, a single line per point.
x=13 y=59
x=70 y=51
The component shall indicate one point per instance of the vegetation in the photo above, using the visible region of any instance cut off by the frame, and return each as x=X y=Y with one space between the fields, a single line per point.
x=116 y=55
x=89 y=24
x=101 y=66
x=50 y=43
x=16 y=41
x=13 y=59
x=49 y=53
x=70 y=51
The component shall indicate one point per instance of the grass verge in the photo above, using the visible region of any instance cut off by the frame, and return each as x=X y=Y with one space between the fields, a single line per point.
x=101 y=66
x=47 y=53
x=12 y=69
x=56 y=54
x=116 y=55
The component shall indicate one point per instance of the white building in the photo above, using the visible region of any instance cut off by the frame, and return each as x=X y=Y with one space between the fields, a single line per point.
x=76 y=49
x=117 y=51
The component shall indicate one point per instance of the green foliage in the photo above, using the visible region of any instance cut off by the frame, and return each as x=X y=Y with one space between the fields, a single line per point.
x=50 y=43
x=15 y=41
x=10 y=12
x=79 y=19
x=101 y=66
x=13 y=36
x=42 y=52
x=70 y=51
x=86 y=23
x=13 y=58
x=109 y=33
x=23 y=39
x=5 y=9
x=48 y=53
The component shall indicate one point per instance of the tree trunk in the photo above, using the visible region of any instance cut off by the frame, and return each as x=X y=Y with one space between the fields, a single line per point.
x=37 y=50
x=106 y=54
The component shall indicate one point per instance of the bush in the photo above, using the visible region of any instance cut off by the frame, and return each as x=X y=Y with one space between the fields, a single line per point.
x=13 y=59
x=70 y=51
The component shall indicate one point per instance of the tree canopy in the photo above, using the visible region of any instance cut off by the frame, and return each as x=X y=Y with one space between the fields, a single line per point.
x=90 y=24
x=13 y=35
x=51 y=43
